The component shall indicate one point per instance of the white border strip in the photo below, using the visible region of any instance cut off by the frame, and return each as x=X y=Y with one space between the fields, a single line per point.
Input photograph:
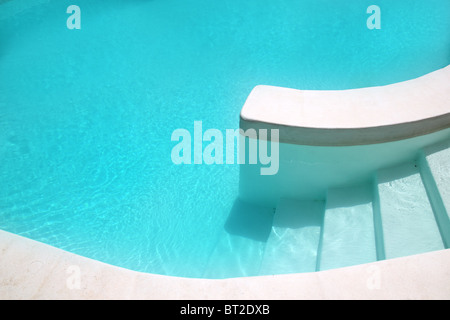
x=33 y=270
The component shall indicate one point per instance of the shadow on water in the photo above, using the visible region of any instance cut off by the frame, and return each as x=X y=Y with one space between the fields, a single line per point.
x=299 y=214
x=256 y=222
x=259 y=242
x=398 y=172
x=351 y=196
x=250 y=221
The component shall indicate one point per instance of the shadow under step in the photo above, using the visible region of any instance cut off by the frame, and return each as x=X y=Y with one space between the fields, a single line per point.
x=294 y=240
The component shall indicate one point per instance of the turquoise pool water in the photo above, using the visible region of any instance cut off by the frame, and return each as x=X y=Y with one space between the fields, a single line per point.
x=86 y=116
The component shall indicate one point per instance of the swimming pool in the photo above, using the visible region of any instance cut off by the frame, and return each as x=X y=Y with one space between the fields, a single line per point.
x=87 y=115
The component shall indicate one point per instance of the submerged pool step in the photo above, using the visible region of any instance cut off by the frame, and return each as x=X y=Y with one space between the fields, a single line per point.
x=405 y=211
x=348 y=235
x=235 y=256
x=407 y=221
x=240 y=247
x=294 y=240
x=435 y=170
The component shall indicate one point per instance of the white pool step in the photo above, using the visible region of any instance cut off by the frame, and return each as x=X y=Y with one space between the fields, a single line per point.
x=294 y=240
x=404 y=211
x=435 y=170
x=408 y=224
x=240 y=247
x=348 y=235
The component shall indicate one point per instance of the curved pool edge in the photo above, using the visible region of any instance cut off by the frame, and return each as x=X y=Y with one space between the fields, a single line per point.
x=31 y=270
x=352 y=117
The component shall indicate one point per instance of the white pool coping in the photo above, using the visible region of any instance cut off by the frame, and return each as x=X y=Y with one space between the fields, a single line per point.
x=352 y=117
x=30 y=270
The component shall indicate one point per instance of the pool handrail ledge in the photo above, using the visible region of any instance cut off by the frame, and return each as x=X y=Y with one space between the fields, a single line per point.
x=355 y=116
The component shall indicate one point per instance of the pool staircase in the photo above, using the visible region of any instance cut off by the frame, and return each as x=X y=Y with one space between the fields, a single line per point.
x=404 y=210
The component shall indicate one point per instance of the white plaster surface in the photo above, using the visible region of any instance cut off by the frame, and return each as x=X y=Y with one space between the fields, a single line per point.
x=392 y=112
x=438 y=158
x=408 y=222
x=348 y=229
x=32 y=270
x=355 y=108
x=293 y=243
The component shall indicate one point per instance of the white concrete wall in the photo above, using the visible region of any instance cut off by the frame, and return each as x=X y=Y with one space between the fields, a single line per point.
x=336 y=138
